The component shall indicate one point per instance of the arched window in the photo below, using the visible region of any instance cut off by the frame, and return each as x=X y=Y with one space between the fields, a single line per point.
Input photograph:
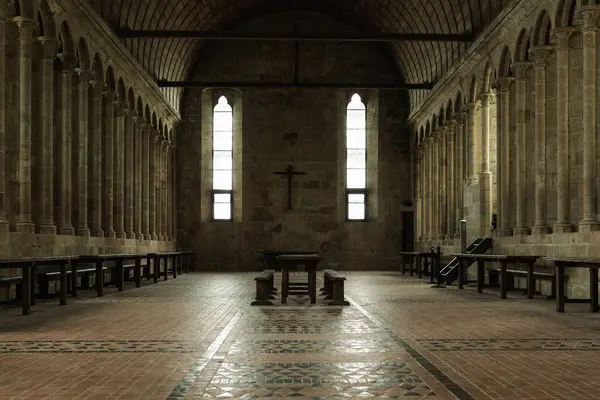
x=222 y=160
x=356 y=159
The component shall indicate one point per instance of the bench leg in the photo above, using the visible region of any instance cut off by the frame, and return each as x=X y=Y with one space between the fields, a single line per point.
x=63 y=284
x=26 y=300
x=403 y=264
x=594 y=290
x=480 y=275
x=338 y=295
x=137 y=272
x=156 y=265
x=560 y=289
x=263 y=295
x=74 y=279
x=99 y=279
x=461 y=273
x=503 y=279
x=530 y=281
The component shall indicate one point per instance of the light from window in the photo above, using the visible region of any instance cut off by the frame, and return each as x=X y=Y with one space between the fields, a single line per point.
x=356 y=158
x=222 y=160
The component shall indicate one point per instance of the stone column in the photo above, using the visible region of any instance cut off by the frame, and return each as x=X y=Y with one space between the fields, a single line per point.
x=46 y=135
x=119 y=172
x=168 y=192
x=485 y=176
x=163 y=179
x=137 y=180
x=64 y=143
x=436 y=185
x=503 y=163
x=418 y=186
x=474 y=140
x=520 y=74
x=146 y=152
x=95 y=159
x=459 y=175
x=563 y=199
x=158 y=186
x=451 y=179
x=110 y=99
x=22 y=173
x=590 y=16
x=443 y=176
x=174 y=191
x=427 y=179
x=152 y=179
x=4 y=226
x=539 y=55
x=129 y=154
x=80 y=198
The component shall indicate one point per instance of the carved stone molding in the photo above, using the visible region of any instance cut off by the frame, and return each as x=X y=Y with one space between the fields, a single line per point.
x=562 y=36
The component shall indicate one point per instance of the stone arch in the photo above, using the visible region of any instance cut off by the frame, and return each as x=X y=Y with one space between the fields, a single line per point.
x=488 y=78
x=434 y=123
x=522 y=46
x=140 y=107
x=83 y=55
x=46 y=20
x=131 y=99
x=427 y=129
x=121 y=91
x=458 y=102
x=110 y=79
x=147 y=114
x=543 y=27
x=161 y=127
x=441 y=117
x=421 y=134
x=25 y=8
x=565 y=13
x=97 y=68
x=504 y=68
x=67 y=44
x=154 y=120
x=449 y=110
x=473 y=89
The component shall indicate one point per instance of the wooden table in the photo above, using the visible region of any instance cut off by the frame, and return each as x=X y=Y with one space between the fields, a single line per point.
x=293 y=261
x=560 y=265
x=270 y=256
x=420 y=261
x=503 y=260
x=99 y=260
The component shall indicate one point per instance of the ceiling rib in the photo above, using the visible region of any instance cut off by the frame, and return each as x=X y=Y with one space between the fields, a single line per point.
x=360 y=37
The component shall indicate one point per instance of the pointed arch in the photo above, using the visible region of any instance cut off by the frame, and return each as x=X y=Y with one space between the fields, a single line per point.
x=449 y=110
x=504 y=68
x=473 y=89
x=67 y=45
x=458 y=102
x=543 y=27
x=121 y=91
x=565 y=13
x=140 y=107
x=427 y=129
x=110 y=81
x=83 y=55
x=434 y=123
x=441 y=118
x=46 y=20
x=522 y=47
x=97 y=68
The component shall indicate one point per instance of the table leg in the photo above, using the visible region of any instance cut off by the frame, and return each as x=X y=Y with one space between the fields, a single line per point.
x=74 y=278
x=530 y=281
x=26 y=295
x=503 y=279
x=593 y=289
x=174 y=266
x=312 y=273
x=99 y=279
x=433 y=270
x=560 y=289
x=461 y=267
x=403 y=264
x=63 y=284
x=480 y=275
x=284 y=283
x=420 y=269
x=166 y=274
x=33 y=285
x=156 y=265
x=137 y=272
x=119 y=268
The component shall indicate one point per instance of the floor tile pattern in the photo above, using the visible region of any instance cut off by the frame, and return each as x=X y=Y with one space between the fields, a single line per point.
x=197 y=337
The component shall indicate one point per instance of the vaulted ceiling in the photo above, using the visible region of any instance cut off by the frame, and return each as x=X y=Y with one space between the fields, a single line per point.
x=174 y=58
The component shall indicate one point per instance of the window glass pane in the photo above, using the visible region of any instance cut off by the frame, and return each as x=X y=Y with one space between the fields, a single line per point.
x=356 y=210
x=356 y=158
x=223 y=121
x=222 y=160
x=355 y=119
x=222 y=180
x=222 y=198
x=356 y=178
x=356 y=139
x=222 y=211
x=356 y=198
x=223 y=141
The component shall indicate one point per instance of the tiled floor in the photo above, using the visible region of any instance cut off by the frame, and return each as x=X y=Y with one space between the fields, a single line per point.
x=197 y=337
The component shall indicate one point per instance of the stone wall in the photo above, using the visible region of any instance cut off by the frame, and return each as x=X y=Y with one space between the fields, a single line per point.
x=304 y=128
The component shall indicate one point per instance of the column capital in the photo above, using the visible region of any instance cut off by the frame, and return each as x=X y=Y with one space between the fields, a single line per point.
x=450 y=124
x=25 y=26
x=503 y=84
x=472 y=107
x=97 y=85
x=110 y=96
x=121 y=108
x=485 y=98
x=520 y=69
x=49 y=46
x=540 y=54
x=589 y=16
x=460 y=116
x=561 y=36
x=3 y=11
x=68 y=61
x=84 y=76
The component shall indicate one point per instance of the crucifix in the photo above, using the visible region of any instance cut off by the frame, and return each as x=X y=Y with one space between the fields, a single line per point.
x=289 y=173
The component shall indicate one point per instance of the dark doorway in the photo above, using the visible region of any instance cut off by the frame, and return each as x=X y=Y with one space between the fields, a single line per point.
x=408 y=231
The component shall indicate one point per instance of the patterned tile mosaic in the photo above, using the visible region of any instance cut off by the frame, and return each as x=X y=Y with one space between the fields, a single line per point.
x=508 y=344
x=351 y=346
x=125 y=346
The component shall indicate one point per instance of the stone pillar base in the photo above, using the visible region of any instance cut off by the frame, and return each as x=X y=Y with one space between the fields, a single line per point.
x=139 y=236
x=121 y=235
x=25 y=227
x=110 y=234
x=520 y=231
x=540 y=230
x=589 y=226
x=563 y=228
x=147 y=236
x=85 y=232
x=450 y=236
x=97 y=233
x=504 y=232
x=130 y=235
x=473 y=179
x=66 y=230
x=47 y=229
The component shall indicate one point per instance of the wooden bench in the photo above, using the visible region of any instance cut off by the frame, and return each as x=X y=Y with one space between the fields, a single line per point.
x=503 y=260
x=333 y=288
x=537 y=275
x=8 y=281
x=590 y=263
x=117 y=277
x=264 y=288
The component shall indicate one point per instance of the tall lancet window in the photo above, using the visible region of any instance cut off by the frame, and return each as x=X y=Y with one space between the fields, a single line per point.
x=222 y=167
x=356 y=159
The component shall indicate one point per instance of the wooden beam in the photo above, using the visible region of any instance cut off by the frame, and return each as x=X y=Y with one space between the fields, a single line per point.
x=296 y=85
x=359 y=37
